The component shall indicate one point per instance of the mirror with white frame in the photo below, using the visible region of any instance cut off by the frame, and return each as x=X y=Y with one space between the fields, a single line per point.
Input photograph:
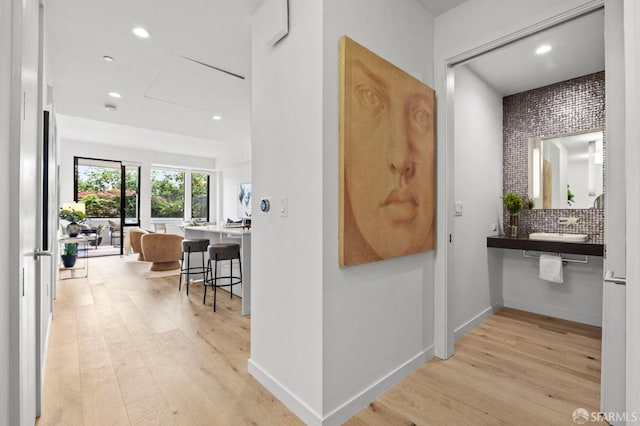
x=566 y=171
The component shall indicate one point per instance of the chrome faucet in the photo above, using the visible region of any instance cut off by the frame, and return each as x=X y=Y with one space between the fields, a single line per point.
x=568 y=220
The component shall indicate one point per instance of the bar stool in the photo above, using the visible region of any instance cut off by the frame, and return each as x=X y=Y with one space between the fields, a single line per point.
x=218 y=253
x=188 y=247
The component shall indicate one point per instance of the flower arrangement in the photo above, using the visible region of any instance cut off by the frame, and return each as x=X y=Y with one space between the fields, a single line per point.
x=72 y=216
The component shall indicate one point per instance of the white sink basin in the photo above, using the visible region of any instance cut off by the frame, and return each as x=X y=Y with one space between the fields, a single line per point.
x=553 y=236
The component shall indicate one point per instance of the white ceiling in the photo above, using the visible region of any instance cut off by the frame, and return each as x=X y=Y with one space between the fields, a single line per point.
x=160 y=89
x=170 y=82
x=577 y=50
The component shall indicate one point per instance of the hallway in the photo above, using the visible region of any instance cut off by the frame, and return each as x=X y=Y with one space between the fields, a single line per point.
x=127 y=348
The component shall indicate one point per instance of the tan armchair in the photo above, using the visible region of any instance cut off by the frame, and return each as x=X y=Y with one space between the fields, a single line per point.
x=136 y=244
x=163 y=250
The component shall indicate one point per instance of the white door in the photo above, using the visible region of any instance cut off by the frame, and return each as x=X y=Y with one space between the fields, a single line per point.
x=613 y=383
x=25 y=137
x=632 y=86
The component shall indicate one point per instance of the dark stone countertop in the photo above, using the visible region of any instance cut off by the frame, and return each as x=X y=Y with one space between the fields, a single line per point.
x=589 y=248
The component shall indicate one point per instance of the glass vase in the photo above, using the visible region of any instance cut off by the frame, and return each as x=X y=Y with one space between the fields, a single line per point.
x=512 y=228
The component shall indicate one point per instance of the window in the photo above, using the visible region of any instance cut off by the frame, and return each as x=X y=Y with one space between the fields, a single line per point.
x=132 y=195
x=167 y=194
x=97 y=185
x=200 y=197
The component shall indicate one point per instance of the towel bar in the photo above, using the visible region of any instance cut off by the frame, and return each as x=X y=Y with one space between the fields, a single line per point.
x=585 y=260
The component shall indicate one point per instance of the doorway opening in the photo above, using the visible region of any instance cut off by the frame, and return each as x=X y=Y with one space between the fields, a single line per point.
x=491 y=139
x=110 y=192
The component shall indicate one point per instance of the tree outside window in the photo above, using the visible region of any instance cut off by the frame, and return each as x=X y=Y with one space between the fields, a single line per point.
x=98 y=187
x=99 y=190
x=200 y=197
x=167 y=194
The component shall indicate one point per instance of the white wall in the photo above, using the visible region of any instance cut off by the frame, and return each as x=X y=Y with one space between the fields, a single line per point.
x=71 y=148
x=377 y=317
x=233 y=176
x=578 y=298
x=327 y=340
x=286 y=267
x=476 y=288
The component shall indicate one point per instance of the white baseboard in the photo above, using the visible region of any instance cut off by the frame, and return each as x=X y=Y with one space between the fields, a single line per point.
x=293 y=403
x=555 y=312
x=350 y=407
x=370 y=394
x=475 y=321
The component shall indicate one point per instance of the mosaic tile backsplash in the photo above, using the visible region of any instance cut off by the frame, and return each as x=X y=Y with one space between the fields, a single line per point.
x=569 y=106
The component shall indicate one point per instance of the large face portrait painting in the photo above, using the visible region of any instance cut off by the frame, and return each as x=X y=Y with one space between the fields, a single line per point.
x=387 y=193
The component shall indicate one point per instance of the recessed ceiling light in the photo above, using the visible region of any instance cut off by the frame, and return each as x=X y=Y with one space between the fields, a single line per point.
x=115 y=95
x=141 y=32
x=109 y=107
x=545 y=48
x=217 y=117
x=107 y=58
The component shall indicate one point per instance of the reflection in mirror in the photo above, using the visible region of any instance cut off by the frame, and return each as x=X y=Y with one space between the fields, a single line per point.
x=566 y=171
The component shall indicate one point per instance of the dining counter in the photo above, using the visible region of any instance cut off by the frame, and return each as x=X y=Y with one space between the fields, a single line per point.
x=217 y=234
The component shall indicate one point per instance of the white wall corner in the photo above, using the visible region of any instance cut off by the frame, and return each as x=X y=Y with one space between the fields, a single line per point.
x=377 y=389
x=350 y=407
x=285 y=395
x=477 y=320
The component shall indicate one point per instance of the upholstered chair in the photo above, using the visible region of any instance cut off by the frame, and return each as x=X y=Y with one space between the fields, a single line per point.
x=163 y=250
x=136 y=244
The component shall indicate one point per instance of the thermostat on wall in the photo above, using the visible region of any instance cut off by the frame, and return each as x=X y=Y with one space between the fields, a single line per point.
x=265 y=205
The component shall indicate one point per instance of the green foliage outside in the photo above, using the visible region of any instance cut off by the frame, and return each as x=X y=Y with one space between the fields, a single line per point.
x=99 y=189
x=167 y=193
x=199 y=195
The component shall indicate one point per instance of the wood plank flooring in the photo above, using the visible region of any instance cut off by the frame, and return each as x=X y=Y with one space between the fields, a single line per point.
x=515 y=368
x=127 y=348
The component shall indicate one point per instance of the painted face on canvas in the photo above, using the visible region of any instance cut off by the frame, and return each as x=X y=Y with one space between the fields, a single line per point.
x=389 y=165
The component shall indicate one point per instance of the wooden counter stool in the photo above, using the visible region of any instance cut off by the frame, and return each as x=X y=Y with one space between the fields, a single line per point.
x=218 y=253
x=188 y=247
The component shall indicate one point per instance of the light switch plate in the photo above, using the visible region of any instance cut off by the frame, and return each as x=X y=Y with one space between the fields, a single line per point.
x=458 y=208
x=284 y=206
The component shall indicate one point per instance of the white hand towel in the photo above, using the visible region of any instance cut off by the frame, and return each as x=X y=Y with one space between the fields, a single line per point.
x=551 y=268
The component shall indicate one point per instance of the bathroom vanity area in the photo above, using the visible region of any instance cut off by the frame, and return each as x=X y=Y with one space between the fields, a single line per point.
x=577 y=298
x=557 y=164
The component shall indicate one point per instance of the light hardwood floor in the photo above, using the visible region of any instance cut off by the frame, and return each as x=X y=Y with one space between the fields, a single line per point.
x=127 y=348
x=516 y=368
